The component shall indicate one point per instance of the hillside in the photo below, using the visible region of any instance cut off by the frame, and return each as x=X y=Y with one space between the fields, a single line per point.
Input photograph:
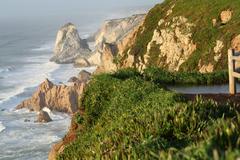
x=186 y=35
x=128 y=115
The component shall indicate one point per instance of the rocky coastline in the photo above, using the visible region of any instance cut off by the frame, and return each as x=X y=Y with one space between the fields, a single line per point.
x=171 y=41
x=112 y=38
x=113 y=50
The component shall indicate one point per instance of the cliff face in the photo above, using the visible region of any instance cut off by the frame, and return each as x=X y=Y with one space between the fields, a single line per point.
x=115 y=30
x=69 y=45
x=62 y=98
x=186 y=35
x=110 y=42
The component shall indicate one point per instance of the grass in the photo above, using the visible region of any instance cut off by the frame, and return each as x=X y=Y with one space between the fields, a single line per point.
x=130 y=117
x=161 y=76
x=204 y=34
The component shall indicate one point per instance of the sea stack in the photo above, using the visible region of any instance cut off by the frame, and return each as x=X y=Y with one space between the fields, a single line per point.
x=112 y=39
x=61 y=98
x=69 y=45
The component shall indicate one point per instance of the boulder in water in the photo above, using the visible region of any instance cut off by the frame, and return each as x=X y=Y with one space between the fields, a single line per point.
x=43 y=117
x=60 y=98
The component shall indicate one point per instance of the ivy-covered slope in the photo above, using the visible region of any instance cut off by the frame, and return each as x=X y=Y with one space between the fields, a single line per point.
x=128 y=115
x=187 y=35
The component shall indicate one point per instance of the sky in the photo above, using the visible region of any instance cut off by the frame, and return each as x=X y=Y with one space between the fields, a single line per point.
x=45 y=17
x=21 y=9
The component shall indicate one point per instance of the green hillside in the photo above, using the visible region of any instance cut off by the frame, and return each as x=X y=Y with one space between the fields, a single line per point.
x=128 y=115
x=131 y=115
x=200 y=13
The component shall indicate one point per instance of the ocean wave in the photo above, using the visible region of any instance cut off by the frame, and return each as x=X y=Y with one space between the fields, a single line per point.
x=29 y=76
x=7 y=69
x=55 y=116
x=2 y=127
x=44 y=47
x=85 y=36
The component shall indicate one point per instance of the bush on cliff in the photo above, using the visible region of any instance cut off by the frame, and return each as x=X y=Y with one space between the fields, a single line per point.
x=127 y=117
x=161 y=76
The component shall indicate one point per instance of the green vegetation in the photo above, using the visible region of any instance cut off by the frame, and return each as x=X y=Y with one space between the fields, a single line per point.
x=129 y=115
x=162 y=76
x=204 y=34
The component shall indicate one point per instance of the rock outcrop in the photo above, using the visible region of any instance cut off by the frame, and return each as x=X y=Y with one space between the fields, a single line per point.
x=81 y=62
x=60 y=98
x=84 y=76
x=43 y=117
x=69 y=46
x=226 y=16
x=111 y=40
x=235 y=44
x=113 y=31
x=174 y=42
x=70 y=137
x=74 y=80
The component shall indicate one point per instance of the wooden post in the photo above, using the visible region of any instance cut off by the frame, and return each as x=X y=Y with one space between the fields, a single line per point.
x=231 y=69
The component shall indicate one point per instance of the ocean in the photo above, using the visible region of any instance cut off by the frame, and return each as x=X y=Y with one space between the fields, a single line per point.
x=27 y=34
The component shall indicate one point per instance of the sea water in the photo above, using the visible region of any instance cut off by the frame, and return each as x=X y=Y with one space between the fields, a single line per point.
x=27 y=33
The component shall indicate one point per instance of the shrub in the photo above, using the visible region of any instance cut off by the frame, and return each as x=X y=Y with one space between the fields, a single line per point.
x=161 y=76
x=127 y=117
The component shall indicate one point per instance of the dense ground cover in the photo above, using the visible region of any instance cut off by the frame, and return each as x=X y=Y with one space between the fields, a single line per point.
x=161 y=76
x=129 y=115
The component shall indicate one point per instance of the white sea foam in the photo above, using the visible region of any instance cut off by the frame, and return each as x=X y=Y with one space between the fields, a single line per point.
x=2 y=127
x=45 y=47
x=48 y=111
x=55 y=116
x=20 y=111
x=6 y=69
x=29 y=76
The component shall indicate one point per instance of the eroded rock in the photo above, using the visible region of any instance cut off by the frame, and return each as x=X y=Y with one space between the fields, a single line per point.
x=226 y=16
x=109 y=52
x=74 y=80
x=84 y=76
x=113 y=38
x=43 y=117
x=69 y=46
x=235 y=44
x=206 y=68
x=56 y=150
x=60 y=98
x=81 y=62
x=174 y=42
x=115 y=30
x=214 y=22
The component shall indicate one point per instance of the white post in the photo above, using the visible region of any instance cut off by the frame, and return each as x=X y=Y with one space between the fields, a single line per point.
x=231 y=69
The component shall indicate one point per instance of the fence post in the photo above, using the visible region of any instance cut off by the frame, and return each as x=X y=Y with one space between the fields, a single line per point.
x=231 y=69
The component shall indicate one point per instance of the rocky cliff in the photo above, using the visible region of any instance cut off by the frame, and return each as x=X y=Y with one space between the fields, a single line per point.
x=62 y=98
x=170 y=36
x=186 y=35
x=115 y=30
x=69 y=45
x=111 y=40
